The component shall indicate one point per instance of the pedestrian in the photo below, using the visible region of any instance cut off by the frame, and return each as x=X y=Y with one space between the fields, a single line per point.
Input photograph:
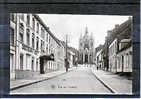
x=97 y=67
x=66 y=65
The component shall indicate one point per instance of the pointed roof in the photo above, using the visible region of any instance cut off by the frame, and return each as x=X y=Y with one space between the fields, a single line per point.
x=86 y=30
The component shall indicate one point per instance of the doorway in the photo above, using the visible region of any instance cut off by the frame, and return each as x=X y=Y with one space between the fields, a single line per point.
x=86 y=58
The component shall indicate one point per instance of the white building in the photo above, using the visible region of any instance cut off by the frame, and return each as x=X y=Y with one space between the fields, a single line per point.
x=32 y=40
x=112 y=56
x=99 y=58
x=124 y=56
x=71 y=55
x=12 y=45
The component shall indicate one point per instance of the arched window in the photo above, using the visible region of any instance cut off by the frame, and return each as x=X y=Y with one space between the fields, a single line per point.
x=86 y=46
x=21 y=32
x=33 y=24
x=37 y=27
x=28 y=37
x=28 y=19
x=33 y=36
x=37 y=43
x=42 y=33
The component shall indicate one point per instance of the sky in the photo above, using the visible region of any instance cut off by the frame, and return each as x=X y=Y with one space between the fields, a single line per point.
x=74 y=26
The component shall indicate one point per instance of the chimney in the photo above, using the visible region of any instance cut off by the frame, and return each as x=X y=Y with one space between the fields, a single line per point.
x=109 y=33
x=116 y=26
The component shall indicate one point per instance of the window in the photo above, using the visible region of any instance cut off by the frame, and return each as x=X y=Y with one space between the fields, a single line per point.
x=21 y=32
x=86 y=46
x=47 y=49
x=36 y=64
x=47 y=37
x=21 y=61
x=37 y=44
x=42 y=45
x=28 y=62
x=37 y=27
x=22 y=17
x=28 y=19
x=11 y=36
x=91 y=44
x=33 y=25
x=32 y=64
x=28 y=37
x=81 y=44
x=32 y=40
x=21 y=37
x=21 y=28
x=12 y=17
x=42 y=33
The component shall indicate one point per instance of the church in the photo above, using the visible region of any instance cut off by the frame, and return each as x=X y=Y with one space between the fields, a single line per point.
x=86 y=48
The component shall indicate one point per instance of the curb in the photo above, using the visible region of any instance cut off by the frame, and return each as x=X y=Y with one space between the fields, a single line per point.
x=20 y=86
x=106 y=85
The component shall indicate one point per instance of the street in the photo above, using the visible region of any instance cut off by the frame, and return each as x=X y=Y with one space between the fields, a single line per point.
x=78 y=81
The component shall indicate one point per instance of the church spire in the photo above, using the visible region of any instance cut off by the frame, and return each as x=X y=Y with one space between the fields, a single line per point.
x=80 y=36
x=91 y=35
x=86 y=31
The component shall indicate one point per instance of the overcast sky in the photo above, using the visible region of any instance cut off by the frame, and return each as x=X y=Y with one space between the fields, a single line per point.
x=74 y=25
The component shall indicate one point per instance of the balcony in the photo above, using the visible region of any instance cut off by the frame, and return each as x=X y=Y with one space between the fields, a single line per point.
x=27 y=48
x=36 y=52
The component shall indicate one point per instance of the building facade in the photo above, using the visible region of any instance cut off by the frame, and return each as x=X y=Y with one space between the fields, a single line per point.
x=113 y=56
x=120 y=47
x=72 y=56
x=86 y=48
x=30 y=38
x=99 y=59
x=12 y=45
x=124 y=56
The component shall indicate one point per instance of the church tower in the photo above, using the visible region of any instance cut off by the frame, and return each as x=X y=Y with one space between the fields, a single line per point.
x=86 y=48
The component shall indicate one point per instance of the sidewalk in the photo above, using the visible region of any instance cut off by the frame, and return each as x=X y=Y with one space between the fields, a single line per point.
x=14 y=84
x=118 y=84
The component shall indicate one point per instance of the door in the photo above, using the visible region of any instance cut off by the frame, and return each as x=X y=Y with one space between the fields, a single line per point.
x=86 y=58
x=28 y=62
x=21 y=62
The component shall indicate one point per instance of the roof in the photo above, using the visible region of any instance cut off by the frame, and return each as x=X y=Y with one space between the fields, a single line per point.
x=98 y=48
x=125 y=40
x=45 y=27
x=128 y=45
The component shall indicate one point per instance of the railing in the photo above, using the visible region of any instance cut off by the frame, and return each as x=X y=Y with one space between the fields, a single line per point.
x=29 y=49
x=36 y=52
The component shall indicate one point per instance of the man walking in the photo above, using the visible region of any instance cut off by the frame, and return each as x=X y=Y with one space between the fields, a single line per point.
x=66 y=65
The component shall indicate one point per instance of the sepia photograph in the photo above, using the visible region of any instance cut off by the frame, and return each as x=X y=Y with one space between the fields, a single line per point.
x=70 y=54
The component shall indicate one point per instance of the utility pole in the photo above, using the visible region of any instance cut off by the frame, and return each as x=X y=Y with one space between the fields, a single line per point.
x=66 y=44
x=66 y=59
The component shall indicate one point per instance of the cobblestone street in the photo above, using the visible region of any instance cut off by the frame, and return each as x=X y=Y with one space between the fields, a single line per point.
x=80 y=80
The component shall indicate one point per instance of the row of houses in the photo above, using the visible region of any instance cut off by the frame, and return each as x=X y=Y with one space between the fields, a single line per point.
x=116 y=53
x=30 y=38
